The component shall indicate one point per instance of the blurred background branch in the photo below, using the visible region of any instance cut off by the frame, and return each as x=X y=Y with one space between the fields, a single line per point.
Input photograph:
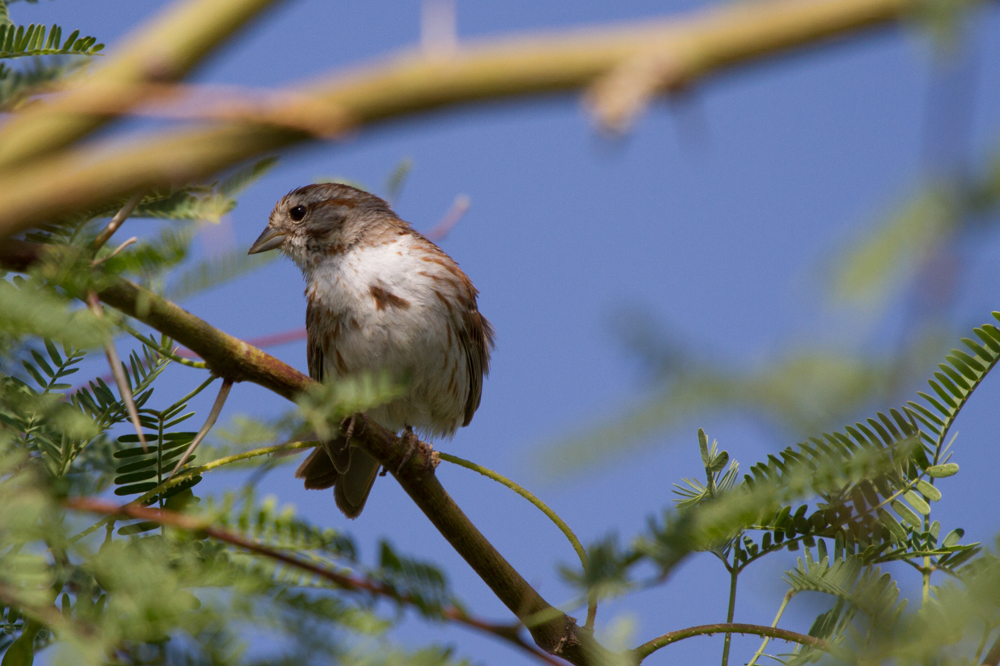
x=41 y=186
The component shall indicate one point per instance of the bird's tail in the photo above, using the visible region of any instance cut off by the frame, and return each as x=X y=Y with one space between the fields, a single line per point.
x=351 y=486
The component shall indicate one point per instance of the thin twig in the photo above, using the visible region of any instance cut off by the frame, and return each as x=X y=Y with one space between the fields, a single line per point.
x=508 y=632
x=98 y=262
x=541 y=506
x=450 y=219
x=757 y=655
x=172 y=354
x=118 y=220
x=652 y=646
x=119 y=373
x=213 y=415
x=734 y=573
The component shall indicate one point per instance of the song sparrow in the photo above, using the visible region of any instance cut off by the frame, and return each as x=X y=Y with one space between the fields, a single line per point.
x=381 y=297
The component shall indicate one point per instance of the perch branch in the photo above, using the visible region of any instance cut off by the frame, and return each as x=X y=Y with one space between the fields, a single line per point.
x=706 y=41
x=235 y=360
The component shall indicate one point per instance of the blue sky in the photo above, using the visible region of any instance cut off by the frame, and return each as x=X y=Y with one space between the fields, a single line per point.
x=714 y=215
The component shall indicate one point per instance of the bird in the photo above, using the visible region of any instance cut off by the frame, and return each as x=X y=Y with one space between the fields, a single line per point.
x=381 y=298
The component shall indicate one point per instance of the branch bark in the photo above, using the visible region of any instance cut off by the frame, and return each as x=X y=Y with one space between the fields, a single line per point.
x=235 y=360
x=704 y=42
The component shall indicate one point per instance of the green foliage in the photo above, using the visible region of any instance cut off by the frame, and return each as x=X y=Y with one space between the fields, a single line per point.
x=421 y=583
x=80 y=589
x=17 y=85
x=18 y=41
x=877 y=264
x=215 y=271
x=806 y=390
x=325 y=406
x=874 y=485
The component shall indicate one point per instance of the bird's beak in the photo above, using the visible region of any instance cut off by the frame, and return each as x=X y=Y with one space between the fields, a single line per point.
x=271 y=239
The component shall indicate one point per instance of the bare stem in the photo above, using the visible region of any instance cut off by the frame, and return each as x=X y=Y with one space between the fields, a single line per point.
x=450 y=219
x=119 y=374
x=117 y=221
x=733 y=576
x=213 y=415
x=130 y=241
x=541 y=506
x=757 y=655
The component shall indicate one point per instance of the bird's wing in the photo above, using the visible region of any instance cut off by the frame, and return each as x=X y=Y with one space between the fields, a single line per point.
x=314 y=344
x=339 y=449
x=477 y=340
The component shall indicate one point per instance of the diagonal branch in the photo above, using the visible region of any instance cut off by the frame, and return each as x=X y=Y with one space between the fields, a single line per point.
x=188 y=523
x=235 y=360
x=702 y=43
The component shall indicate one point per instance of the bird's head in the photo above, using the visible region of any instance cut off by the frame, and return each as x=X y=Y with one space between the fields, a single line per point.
x=324 y=220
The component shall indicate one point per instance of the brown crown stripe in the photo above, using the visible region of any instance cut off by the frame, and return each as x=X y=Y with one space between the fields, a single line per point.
x=337 y=201
x=385 y=299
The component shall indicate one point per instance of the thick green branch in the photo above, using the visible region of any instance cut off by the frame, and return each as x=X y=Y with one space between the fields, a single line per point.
x=682 y=50
x=652 y=646
x=165 y=50
x=235 y=360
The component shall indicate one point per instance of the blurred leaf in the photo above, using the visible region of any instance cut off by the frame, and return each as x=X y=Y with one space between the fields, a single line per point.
x=215 y=271
x=29 y=310
x=806 y=391
x=395 y=181
x=866 y=272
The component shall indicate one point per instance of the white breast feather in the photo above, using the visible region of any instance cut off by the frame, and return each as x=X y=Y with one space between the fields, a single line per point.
x=411 y=341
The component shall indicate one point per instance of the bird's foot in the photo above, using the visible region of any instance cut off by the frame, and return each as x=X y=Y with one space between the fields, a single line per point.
x=412 y=442
x=347 y=426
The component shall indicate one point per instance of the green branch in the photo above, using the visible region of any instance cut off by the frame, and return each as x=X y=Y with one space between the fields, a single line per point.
x=652 y=646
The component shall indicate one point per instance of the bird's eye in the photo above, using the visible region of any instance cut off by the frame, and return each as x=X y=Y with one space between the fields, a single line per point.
x=297 y=213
